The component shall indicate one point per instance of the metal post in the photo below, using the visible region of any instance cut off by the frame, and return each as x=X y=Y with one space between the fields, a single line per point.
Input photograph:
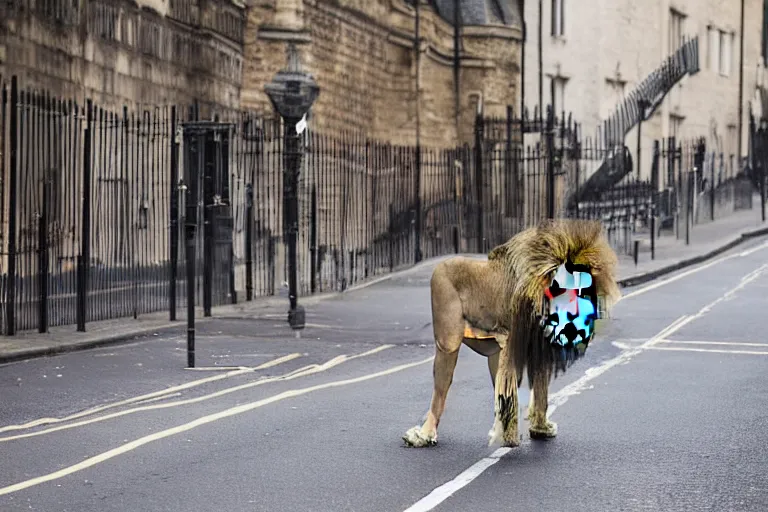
x=550 y=142
x=313 y=241
x=641 y=109
x=42 y=241
x=510 y=178
x=654 y=194
x=712 y=189
x=391 y=237
x=190 y=222
x=291 y=161
x=193 y=157
x=209 y=170
x=84 y=261
x=10 y=298
x=762 y=191
x=249 y=242
x=636 y=252
x=688 y=201
x=174 y=256
x=479 y=181
x=417 y=228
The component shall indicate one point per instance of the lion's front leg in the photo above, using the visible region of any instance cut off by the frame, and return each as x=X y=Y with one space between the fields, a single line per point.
x=540 y=427
x=505 y=423
x=426 y=434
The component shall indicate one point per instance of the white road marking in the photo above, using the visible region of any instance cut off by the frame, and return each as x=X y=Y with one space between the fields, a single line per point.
x=295 y=374
x=227 y=413
x=694 y=270
x=142 y=398
x=734 y=343
x=714 y=350
x=442 y=493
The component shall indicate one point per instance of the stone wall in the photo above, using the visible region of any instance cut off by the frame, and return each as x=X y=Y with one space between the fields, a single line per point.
x=127 y=52
x=362 y=56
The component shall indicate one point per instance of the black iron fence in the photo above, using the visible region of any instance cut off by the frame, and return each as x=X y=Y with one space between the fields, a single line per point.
x=97 y=205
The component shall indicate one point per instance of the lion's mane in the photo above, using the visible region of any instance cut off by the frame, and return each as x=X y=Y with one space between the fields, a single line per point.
x=527 y=262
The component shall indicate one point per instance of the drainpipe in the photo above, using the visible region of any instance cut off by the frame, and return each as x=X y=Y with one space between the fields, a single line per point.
x=741 y=82
x=521 y=8
x=541 y=57
x=456 y=64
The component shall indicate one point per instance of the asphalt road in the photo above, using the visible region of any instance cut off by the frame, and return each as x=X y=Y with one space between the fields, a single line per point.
x=666 y=413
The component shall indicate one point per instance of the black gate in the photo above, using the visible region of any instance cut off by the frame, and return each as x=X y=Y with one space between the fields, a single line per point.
x=209 y=208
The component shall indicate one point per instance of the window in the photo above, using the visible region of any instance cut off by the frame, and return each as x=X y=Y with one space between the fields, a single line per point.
x=675 y=124
x=558 y=18
x=676 y=25
x=720 y=52
x=616 y=89
x=558 y=94
x=733 y=139
x=726 y=41
x=714 y=49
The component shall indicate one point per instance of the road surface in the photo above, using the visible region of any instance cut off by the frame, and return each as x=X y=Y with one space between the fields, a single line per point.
x=667 y=412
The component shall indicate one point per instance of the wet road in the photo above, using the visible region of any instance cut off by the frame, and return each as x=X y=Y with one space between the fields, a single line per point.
x=666 y=412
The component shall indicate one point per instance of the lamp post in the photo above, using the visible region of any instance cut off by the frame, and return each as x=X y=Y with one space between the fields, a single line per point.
x=292 y=93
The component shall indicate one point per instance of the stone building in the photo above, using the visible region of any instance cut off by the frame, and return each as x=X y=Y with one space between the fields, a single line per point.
x=127 y=52
x=596 y=52
x=362 y=54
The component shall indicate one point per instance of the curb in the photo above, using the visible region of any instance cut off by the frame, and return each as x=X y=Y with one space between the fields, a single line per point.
x=655 y=274
x=116 y=339
x=109 y=339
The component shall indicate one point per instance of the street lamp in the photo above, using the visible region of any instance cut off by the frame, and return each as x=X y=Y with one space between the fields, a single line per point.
x=292 y=93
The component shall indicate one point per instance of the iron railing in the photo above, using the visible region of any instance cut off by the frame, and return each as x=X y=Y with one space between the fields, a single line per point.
x=94 y=203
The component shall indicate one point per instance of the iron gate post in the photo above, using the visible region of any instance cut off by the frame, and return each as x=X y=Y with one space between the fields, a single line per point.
x=84 y=261
x=550 y=144
x=174 y=228
x=249 y=242
x=479 y=131
x=10 y=299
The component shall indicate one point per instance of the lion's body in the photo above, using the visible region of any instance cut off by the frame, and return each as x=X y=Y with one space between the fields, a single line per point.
x=491 y=306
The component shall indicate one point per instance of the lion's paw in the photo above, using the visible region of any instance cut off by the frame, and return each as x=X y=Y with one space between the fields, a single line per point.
x=416 y=439
x=546 y=431
x=496 y=437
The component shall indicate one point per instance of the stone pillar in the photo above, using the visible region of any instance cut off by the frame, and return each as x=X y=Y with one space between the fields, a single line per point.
x=289 y=15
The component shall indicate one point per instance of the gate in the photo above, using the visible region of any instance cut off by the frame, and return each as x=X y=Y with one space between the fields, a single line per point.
x=208 y=220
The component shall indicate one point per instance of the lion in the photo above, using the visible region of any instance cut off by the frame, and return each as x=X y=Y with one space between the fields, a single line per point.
x=496 y=308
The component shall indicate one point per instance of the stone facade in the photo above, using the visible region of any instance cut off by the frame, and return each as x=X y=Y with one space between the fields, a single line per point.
x=127 y=52
x=362 y=56
x=609 y=46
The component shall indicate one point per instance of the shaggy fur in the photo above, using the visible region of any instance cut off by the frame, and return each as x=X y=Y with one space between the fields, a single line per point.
x=495 y=308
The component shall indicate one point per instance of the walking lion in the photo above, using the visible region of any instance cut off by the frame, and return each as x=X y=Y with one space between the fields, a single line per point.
x=502 y=309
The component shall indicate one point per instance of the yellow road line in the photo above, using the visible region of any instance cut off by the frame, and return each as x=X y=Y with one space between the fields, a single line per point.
x=227 y=413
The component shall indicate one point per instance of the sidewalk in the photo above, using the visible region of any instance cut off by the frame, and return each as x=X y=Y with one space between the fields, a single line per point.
x=706 y=241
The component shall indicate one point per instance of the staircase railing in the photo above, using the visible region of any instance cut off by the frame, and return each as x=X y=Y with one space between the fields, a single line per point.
x=639 y=105
x=643 y=101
